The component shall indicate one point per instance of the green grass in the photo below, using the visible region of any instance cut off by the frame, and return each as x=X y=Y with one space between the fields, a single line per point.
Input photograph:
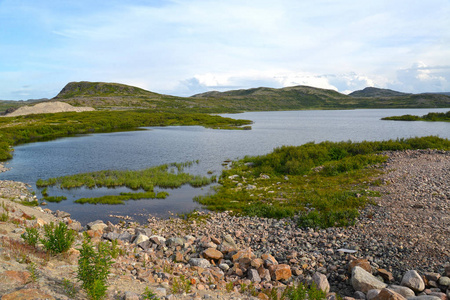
x=433 y=117
x=323 y=184
x=164 y=176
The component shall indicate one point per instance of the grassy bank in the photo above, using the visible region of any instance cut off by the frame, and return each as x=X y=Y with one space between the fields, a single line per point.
x=42 y=127
x=164 y=176
x=434 y=117
x=325 y=184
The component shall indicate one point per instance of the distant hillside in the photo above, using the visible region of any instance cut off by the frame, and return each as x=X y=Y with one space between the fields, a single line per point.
x=46 y=108
x=115 y=96
x=376 y=92
x=100 y=89
x=304 y=97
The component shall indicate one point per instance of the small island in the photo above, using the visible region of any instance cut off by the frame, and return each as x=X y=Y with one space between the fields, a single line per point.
x=433 y=117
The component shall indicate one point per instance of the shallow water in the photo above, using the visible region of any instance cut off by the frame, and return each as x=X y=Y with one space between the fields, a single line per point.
x=160 y=145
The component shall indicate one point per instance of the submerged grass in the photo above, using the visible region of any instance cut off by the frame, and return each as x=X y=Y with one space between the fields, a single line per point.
x=324 y=184
x=163 y=176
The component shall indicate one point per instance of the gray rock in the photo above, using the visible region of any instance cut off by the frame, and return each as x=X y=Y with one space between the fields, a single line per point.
x=145 y=245
x=228 y=244
x=111 y=236
x=413 y=280
x=364 y=281
x=61 y=214
x=445 y=281
x=162 y=292
x=321 y=282
x=130 y=296
x=158 y=239
x=75 y=225
x=173 y=242
x=224 y=267
x=402 y=290
x=372 y=294
x=140 y=238
x=359 y=295
x=424 y=297
x=96 y=225
x=125 y=236
x=253 y=275
x=199 y=262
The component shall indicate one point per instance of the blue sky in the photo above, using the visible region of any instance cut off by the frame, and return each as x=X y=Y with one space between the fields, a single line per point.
x=184 y=47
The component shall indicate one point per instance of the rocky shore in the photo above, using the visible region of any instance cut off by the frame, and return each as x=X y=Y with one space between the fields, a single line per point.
x=399 y=248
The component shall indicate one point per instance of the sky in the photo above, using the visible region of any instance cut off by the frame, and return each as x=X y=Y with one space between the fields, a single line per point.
x=185 y=47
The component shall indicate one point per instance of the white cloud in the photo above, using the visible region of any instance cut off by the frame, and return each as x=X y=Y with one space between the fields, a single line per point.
x=421 y=77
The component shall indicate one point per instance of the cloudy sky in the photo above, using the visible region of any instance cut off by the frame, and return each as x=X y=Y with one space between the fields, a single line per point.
x=184 y=47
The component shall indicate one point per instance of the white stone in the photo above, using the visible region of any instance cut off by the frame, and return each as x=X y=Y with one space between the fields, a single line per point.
x=413 y=280
x=364 y=281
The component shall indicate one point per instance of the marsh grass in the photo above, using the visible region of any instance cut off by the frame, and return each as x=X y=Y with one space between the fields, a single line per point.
x=163 y=176
x=322 y=184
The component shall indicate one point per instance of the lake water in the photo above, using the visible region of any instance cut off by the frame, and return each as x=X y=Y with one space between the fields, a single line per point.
x=160 y=145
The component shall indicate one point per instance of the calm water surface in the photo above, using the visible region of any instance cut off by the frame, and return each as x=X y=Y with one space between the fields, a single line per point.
x=160 y=145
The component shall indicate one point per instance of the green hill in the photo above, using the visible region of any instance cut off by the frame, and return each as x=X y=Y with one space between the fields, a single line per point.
x=376 y=92
x=115 y=96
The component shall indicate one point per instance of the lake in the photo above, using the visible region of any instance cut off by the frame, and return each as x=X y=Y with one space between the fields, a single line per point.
x=160 y=145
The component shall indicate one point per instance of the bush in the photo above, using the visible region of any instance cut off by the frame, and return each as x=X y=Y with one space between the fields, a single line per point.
x=93 y=268
x=59 y=238
x=31 y=236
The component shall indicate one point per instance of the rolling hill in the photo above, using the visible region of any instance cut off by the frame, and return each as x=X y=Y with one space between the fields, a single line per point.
x=115 y=96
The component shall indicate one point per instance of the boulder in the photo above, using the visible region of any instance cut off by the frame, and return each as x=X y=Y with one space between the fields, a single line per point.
x=444 y=281
x=228 y=244
x=212 y=254
x=364 y=281
x=321 y=282
x=402 y=290
x=199 y=262
x=140 y=239
x=174 y=242
x=386 y=294
x=97 y=225
x=253 y=275
x=372 y=294
x=413 y=280
x=280 y=272
x=362 y=263
x=386 y=275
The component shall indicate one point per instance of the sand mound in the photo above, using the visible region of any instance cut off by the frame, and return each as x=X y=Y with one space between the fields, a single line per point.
x=47 y=107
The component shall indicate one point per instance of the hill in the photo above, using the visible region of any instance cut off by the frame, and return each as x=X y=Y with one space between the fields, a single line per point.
x=115 y=96
x=376 y=92
x=305 y=97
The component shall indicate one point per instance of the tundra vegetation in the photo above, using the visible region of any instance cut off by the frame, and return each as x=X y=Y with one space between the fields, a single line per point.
x=321 y=184
x=432 y=116
x=163 y=176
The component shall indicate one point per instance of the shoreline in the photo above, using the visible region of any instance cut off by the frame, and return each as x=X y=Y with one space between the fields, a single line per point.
x=407 y=228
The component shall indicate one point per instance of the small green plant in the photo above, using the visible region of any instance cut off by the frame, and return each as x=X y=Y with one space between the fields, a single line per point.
x=31 y=236
x=115 y=250
x=4 y=217
x=33 y=271
x=181 y=285
x=229 y=287
x=149 y=294
x=300 y=292
x=94 y=268
x=69 y=288
x=57 y=238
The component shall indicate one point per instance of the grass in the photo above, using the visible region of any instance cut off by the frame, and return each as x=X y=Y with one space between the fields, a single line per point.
x=323 y=184
x=433 y=117
x=163 y=176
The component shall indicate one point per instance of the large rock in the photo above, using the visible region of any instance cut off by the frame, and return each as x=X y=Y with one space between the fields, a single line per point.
x=321 y=282
x=199 y=262
x=413 y=280
x=362 y=263
x=280 y=272
x=364 y=281
x=386 y=294
x=253 y=275
x=228 y=244
x=13 y=279
x=445 y=281
x=140 y=239
x=372 y=294
x=402 y=290
x=212 y=254
x=174 y=242
x=97 y=225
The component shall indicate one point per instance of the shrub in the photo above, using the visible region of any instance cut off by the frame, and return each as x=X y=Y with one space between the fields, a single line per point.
x=31 y=236
x=58 y=238
x=93 y=268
